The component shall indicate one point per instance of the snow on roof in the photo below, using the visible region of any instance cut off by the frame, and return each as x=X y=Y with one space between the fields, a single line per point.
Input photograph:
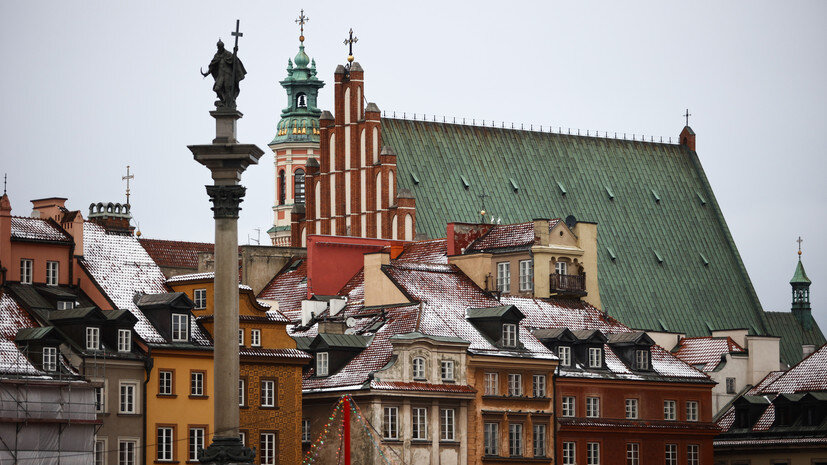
x=182 y=278
x=36 y=229
x=509 y=235
x=809 y=374
x=13 y=318
x=706 y=351
x=288 y=288
x=175 y=254
x=432 y=251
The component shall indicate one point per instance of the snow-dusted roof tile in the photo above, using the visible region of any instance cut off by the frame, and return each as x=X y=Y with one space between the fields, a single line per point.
x=13 y=318
x=36 y=229
x=706 y=351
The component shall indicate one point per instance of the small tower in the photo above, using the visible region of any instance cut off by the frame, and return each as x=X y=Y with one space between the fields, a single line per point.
x=801 y=294
x=297 y=138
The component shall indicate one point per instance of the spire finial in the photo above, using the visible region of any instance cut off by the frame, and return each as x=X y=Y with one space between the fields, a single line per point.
x=687 y=115
x=5 y=180
x=800 y=240
x=349 y=42
x=301 y=21
x=127 y=178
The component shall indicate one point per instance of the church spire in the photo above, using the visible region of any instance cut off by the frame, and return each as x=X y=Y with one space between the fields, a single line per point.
x=801 y=293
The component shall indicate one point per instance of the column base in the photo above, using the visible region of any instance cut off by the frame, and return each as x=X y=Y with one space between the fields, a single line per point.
x=227 y=450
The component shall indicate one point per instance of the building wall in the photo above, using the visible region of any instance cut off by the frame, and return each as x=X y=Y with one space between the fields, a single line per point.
x=288 y=157
x=40 y=253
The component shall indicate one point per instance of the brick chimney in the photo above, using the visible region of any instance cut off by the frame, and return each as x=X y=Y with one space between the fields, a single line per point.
x=461 y=235
x=49 y=208
x=114 y=217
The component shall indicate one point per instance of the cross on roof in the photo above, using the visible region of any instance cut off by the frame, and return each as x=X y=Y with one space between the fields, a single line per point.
x=349 y=42
x=127 y=178
x=687 y=115
x=301 y=21
x=800 y=240
x=5 y=179
x=482 y=197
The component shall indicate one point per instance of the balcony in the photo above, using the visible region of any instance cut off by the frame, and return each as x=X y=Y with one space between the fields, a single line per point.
x=568 y=284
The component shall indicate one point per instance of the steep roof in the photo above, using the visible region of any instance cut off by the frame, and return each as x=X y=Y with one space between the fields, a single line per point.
x=288 y=288
x=648 y=199
x=12 y=319
x=809 y=374
x=800 y=275
x=510 y=236
x=793 y=335
x=37 y=230
x=706 y=351
x=175 y=254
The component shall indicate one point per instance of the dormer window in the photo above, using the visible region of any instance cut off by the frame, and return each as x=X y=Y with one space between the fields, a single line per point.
x=124 y=340
x=509 y=335
x=595 y=357
x=65 y=304
x=49 y=358
x=180 y=327
x=322 y=364
x=642 y=359
x=93 y=338
x=564 y=353
x=418 y=368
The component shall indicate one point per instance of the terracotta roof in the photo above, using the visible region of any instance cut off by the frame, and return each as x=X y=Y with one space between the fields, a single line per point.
x=288 y=288
x=183 y=278
x=37 y=229
x=12 y=319
x=769 y=379
x=508 y=236
x=433 y=251
x=706 y=351
x=809 y=374
x=275 y=353
x=175 y=254
x=403 y=386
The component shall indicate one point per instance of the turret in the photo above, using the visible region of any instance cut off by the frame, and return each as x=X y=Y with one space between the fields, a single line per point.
x=801 y=296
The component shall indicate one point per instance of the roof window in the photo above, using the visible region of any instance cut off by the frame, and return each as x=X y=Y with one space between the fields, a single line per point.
x=465 y=182
x=514 y=184
x=656 y=196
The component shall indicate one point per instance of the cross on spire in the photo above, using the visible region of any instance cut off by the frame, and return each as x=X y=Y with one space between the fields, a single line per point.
x=5 y=180
x=127 y=178
x=687 y=115
x=800 y=240
x=349 y=42
x=236 y=34
x=301 y=21
x=482 y=198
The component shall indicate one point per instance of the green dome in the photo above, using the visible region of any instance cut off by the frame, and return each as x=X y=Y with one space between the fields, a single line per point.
x=301 y=59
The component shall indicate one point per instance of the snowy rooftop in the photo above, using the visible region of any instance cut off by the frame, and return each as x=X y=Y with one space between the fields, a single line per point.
x=706 y=351
x=36 y=229
x=13 y=318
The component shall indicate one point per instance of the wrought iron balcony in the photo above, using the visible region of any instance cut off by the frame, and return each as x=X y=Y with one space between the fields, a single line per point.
x=568 y=284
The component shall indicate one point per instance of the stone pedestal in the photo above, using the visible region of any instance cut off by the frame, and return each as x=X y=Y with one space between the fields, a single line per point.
x=226 y=160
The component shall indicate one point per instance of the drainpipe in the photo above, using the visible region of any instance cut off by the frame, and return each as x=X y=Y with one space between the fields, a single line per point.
x=148 y=368
x=554 y=409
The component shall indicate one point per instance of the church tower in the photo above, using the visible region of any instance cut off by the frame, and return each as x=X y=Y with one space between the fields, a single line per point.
x=801 y=295
x=296 y=140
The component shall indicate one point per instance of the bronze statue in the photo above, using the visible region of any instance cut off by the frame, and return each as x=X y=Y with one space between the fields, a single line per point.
x=227 y=70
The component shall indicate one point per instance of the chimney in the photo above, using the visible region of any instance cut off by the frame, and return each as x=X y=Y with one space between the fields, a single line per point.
x=379 y=289
x=332 y=327
x=461 y=235
x=49 y=208
x=310 y=309
x=5 y=236
x=114 y=217
x=541 y=231
x=687 y=138
x=807 y=349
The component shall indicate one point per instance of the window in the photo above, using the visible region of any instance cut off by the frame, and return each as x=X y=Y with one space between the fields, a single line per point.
x=632 y=453
x=298 y=186
x=126 y=403
x=692 y=411
x=491 y=438
x=515 y=439
x=52 y=273
x=268 y=448
x=164 y=383
x=592 y=407
x=671 y=454
x=569 y=453
x=446 y=424
x=693 y=456
x=255 y=338
x=509 y=335
x=595 y=357
x=164 y=444
x=268 y=393
x=669 y=410
x=180 y=327
x=100 y=399
x=242 y=392
x=539 y=440
x=568 y=406
x=515 y=384
x=301 y=100
x=243 y=436
x=124 y=340
x=492 y=381
x=560 y=268
x=93 y=338
x=642 y=359
x=593 y=453
x=538 y=385
x=564 y=352
x=49 y=358
x=321 y=364
x=504 y=277
x=65 y=304
x=282 y=187
x=305 y=430
x=447 y=370
x=241 y=337
x=420 y=423
x=196 y=441
x=390 y=423
x=26 y=271
x=197 y=383
x=730 y=385
x=200 y=298
x=526 y=275
x=418 y=368
x=631 y=409
x=126 y=452
x=100 y=452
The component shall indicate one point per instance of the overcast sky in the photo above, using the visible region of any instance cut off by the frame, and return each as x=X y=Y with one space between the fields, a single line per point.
x=91 y=87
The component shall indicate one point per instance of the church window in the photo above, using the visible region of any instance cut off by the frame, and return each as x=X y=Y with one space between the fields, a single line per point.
x=298 y=186
x=282 y=188
x=301 y=100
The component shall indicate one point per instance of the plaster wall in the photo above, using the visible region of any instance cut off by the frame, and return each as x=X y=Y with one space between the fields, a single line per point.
x=764 y=357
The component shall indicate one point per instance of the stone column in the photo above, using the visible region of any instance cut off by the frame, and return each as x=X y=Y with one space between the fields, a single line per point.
x=226 y=159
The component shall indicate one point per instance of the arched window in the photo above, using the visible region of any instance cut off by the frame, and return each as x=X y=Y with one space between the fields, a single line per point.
x=298 y=186
x=301 y=100
x=418 y=368
x=282 y=188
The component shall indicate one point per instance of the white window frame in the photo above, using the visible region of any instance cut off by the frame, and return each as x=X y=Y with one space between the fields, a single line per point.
x=165 y=386
x=99 y=452
x=100 y=398
x=305 y=430
x=446 y=369
x=492 y=383
x=242 y=392
x=52 y=273
x=255 y=338
x=267 y=443
x=128 y=397
x=538 y=385
x=124 y=340
x=561 y=268
x=390 y=423
x=693 y=454
x=268 y=393
x=241 y=337
x=504 y=277
x=540 y=440
x=491 y=438
x=670 y=452
x=164 y=444
x=642 y=359
x=322 y=364
x=65 y=304
x=26 y=266
x=50 y=359
x=195 y=439
x=568 y=407
x=526 y=275
x=595 y=357
x=515 y=385
x=243 y=437
x=592 y=453
x=632 y=409
x=564 y=354
x=446 y=424
x=691 y=410
x=419 y=423
x=515 y=439
x=593 y=407
x=632 y=453
x=569 y=453
x=418 y=368
x=93 y=338
x=199 y=298
x=670 y=410
x=197 y=384
x=127 y=451
x=180 y=327
x=510 y=333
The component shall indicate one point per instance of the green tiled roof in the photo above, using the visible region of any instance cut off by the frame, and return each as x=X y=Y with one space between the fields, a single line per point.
x=643 y=196
x=800 y=276
x=792 y=334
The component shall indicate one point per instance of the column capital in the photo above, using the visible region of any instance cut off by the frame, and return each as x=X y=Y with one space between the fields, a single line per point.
x=226 y=200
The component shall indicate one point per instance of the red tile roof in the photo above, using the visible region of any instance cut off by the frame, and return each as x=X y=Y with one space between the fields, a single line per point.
x=403 y=386
x=274 y=353
x=13 y=318
x=809 y=374
x=433 y=251
x=37 y=229
x=288 y=288
x=175 y=254
x=509 y=235
x=706 y=351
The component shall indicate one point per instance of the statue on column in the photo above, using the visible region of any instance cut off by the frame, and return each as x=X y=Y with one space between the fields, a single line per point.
x=227 y=70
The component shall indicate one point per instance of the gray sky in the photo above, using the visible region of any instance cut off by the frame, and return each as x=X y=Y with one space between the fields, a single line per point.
x=90 y=87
